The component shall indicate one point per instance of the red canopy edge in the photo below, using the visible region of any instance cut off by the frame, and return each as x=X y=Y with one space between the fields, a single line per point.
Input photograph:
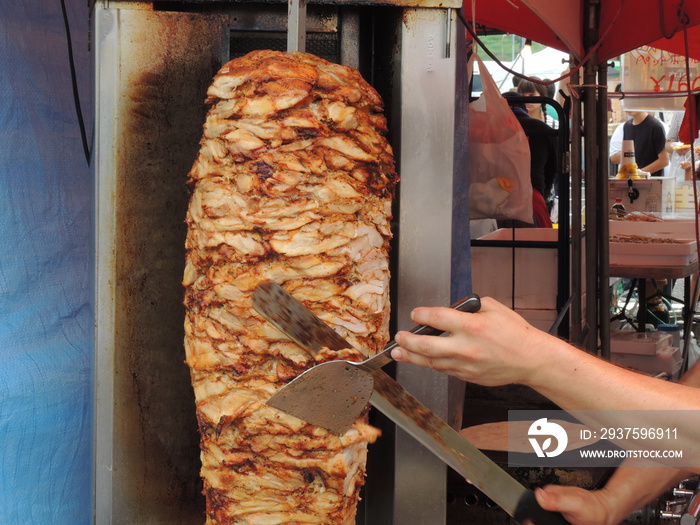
x=625 y=24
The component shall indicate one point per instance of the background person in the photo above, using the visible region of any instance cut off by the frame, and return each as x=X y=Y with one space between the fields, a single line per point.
x=543 y=160
x=685 y=166
x=536 y=110
x=650 y=145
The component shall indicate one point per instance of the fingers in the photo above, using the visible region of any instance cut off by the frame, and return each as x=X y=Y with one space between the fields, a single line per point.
x=442 y=318
x=461 y=352
x=546 y=501
x=552 y=499
x=563 y=499
x=424 y=349
x=445 y=354
x=404 y=356
x=450 y=366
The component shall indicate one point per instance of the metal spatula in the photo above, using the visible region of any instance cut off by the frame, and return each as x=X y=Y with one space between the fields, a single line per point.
x=334 y=394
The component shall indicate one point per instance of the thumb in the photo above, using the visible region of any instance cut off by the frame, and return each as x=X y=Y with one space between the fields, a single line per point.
x=577 y=505
x=556 y=497
x=545 y=498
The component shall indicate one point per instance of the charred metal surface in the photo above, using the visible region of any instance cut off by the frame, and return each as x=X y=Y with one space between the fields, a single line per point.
x=167 y=63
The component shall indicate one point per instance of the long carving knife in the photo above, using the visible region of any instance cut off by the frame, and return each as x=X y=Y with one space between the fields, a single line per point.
x=394 y=401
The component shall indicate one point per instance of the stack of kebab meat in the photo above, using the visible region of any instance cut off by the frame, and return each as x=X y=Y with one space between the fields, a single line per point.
x=292 y=184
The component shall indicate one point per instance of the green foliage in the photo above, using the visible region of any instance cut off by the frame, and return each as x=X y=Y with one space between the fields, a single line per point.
x=506 y=46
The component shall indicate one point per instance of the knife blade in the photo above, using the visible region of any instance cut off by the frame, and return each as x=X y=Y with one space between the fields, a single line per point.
x=394 y=401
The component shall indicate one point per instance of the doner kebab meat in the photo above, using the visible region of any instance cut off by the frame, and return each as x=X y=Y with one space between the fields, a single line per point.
x=292 y=184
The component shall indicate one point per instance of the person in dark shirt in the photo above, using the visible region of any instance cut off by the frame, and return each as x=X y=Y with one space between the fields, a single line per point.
x=649 y=138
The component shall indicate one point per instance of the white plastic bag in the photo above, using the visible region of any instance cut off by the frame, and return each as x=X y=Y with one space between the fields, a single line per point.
x=499 y=156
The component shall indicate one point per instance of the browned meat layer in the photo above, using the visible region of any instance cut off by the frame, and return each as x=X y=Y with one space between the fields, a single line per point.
x=293 y=183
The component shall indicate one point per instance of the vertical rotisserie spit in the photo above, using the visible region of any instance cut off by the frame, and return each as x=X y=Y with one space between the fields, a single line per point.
x=293 y=183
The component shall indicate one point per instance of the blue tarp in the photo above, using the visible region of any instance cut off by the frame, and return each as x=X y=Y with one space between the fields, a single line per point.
x=46 y=266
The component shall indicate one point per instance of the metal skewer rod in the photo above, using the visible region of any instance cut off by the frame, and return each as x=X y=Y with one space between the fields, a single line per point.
x=296 y=26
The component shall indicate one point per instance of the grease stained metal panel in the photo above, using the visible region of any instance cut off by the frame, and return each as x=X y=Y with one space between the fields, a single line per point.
x=156 y=67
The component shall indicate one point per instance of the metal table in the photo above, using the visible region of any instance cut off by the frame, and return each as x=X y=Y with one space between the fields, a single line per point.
x=690 y=296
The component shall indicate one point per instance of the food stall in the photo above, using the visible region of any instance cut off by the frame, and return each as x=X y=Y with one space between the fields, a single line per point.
x=153 y=66
x=153 y=63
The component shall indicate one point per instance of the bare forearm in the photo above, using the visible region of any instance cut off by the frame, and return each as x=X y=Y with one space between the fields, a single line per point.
x=660 y=163
x=496 y=346
x=633 y=487
x=576 y=380
x=630 y=488
x=608 y=396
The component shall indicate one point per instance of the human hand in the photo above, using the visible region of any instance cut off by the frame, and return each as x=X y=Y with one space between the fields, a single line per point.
x=579 y=506
x=494 y=346
x=681 y=149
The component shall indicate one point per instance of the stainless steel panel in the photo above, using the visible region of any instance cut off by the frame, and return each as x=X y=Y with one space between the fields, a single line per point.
x=152 y=72
x=265 y=25
x=105 y=23
x=350 y=37
x=427 y=134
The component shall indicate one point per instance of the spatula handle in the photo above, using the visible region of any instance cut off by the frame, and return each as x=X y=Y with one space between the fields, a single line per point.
x=470 y=303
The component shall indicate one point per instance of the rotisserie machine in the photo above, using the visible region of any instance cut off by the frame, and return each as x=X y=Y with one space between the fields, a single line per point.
x=154 y=62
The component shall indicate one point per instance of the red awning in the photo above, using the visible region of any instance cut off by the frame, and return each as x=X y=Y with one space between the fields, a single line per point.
x=676 y=44
x=624 y=24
